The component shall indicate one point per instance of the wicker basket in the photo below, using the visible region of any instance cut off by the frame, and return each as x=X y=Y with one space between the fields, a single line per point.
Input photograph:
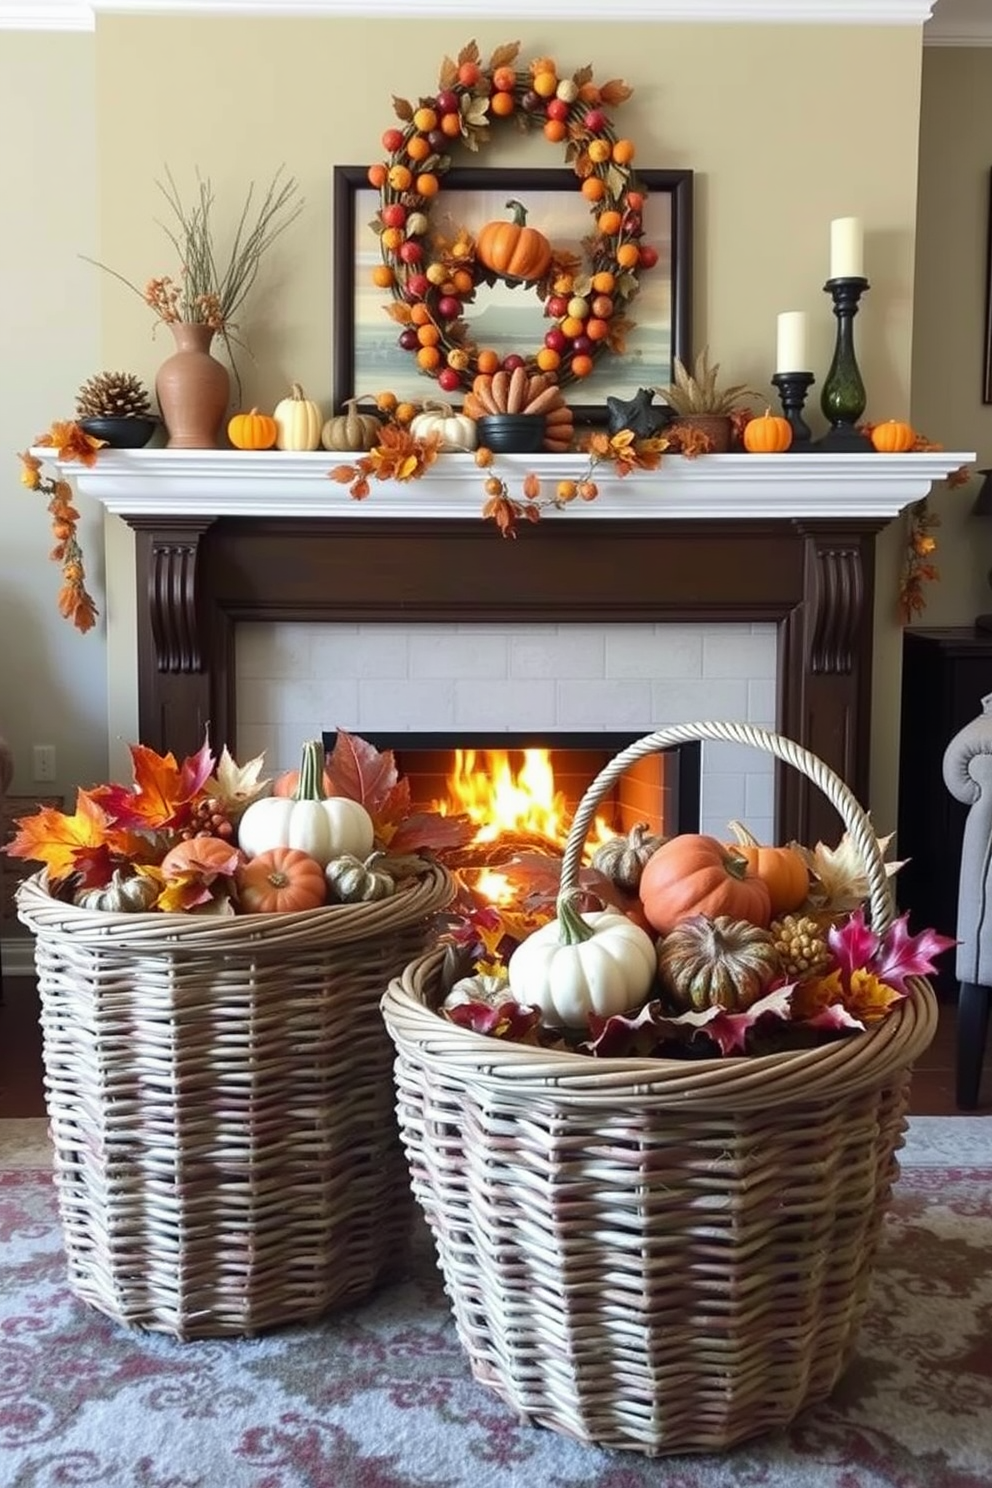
x=658 y=1255
x=221 y=1102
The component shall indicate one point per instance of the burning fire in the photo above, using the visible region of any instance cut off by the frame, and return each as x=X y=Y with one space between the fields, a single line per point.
x=524 y=805
x=499 y=802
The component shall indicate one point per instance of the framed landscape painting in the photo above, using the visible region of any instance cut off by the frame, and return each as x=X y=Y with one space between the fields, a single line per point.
x=509 y=318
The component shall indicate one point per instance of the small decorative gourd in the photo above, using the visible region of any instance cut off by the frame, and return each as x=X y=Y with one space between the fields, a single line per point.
x=351 y=429
x=299 y=421
x=252 y=431
x=359 y=881
x=622 y=858
x=718 y=962
x=134 y=894
x=482 y=987
x=322 y=826
x=579 y=964
x=893 y=437
x=770 y=434
x=456 y=430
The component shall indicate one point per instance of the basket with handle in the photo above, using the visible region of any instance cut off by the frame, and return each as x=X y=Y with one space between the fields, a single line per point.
x=221 y=1106
x=657 y=1254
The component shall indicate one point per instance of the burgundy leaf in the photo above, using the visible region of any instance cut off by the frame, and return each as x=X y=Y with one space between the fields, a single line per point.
x=730 y=1030
x=902 y=955
x=834 y=1019
x=508 y=1020
x=853 y=943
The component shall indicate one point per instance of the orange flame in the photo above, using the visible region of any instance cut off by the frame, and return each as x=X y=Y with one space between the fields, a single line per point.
x=484 y=786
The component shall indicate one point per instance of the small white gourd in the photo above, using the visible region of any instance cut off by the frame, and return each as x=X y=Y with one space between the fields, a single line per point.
x=323 y=827
x=457 y=430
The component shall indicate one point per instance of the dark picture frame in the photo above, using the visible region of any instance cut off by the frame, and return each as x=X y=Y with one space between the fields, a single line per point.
x=987 y=370
x=366 y=356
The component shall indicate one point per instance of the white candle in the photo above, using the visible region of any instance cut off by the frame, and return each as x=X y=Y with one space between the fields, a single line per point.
x=791 y=355
x=846 y=248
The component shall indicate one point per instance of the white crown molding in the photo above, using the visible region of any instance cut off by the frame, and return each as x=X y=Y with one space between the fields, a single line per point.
x=959 y=23
x=46 y=15
x=77 y=15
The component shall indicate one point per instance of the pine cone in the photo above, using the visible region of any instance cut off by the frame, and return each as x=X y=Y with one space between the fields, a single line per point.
x=801 y=945
x=113 y=395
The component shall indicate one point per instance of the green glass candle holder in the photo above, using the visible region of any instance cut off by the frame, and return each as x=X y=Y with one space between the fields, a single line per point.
x=843 y=399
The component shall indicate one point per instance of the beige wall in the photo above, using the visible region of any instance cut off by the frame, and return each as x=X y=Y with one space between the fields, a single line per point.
x=778 y=150
x=955 y=161
x=52 y=679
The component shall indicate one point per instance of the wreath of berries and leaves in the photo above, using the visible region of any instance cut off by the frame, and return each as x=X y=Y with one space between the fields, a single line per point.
x=432 y=281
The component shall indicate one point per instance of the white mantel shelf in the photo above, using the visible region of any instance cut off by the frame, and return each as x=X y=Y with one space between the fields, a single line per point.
x=279 y=483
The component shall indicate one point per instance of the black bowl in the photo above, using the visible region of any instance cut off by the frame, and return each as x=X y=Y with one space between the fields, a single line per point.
x=131 y=431
x=512 y=433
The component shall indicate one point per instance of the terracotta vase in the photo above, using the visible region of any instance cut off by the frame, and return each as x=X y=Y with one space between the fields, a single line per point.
x=192 y=388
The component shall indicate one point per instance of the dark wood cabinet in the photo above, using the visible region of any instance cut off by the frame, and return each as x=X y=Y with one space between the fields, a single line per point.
x=946 y=673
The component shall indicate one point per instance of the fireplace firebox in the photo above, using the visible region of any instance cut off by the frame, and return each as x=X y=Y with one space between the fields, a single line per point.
x=662 y=791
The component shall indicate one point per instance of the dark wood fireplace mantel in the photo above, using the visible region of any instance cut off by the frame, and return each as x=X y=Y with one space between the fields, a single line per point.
x=215 y=547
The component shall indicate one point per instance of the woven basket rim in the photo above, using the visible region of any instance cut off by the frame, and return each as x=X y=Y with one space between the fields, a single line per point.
x=856 y=1060
x=414 y=899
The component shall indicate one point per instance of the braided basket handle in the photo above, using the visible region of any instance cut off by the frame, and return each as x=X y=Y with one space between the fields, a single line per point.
x=855 y=819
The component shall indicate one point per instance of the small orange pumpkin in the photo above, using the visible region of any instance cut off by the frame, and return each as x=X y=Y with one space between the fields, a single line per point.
x=208 y=856
x=693 y=874
x=781 y=868
x=512 y=249
x=768 y=434
x=252 y=431
x=893 y=437
x=282 y=880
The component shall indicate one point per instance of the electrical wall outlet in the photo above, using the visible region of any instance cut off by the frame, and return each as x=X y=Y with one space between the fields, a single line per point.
x=44 y=762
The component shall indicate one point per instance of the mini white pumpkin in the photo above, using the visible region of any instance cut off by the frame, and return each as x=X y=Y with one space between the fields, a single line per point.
x=457 y=430
x=324 y=827
x=579 y=964
x=299 y=421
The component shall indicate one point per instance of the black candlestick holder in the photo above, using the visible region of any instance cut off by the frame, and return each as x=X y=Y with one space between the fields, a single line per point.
x=843 y=398
x=792 y=390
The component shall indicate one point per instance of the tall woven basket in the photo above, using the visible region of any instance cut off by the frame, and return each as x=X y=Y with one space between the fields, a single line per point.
x=221 y=1104
x=659 y=1255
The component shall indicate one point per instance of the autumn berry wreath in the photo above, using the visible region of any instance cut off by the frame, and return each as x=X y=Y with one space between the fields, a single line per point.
x=432 y=281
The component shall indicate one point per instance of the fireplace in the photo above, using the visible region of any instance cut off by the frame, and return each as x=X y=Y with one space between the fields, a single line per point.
x=225 y=540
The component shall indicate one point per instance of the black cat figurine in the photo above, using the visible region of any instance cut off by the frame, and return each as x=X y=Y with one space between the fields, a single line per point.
x=638 y=414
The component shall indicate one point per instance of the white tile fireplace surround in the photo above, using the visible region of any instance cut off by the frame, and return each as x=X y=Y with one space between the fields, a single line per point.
x=294 y=679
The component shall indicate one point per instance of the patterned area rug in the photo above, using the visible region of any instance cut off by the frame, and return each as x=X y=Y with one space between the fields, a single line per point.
x=381 y=1396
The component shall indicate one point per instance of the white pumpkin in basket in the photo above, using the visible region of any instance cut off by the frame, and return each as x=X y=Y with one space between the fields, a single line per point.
x=324 y=827
x=579 y=964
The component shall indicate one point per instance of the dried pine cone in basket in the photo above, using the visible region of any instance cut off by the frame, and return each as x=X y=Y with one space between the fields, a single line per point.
x=113 y=395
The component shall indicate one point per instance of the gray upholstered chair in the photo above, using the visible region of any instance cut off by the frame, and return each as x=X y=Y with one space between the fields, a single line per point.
x=968 y=776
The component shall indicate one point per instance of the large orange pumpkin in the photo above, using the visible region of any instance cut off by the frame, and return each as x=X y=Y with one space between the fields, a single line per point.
x=512 y=249
x=281 y=881
x=781 y=868
x=693 y=874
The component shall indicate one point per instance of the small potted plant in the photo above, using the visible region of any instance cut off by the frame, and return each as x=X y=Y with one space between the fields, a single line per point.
x=700 y=404
x=115 y=407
